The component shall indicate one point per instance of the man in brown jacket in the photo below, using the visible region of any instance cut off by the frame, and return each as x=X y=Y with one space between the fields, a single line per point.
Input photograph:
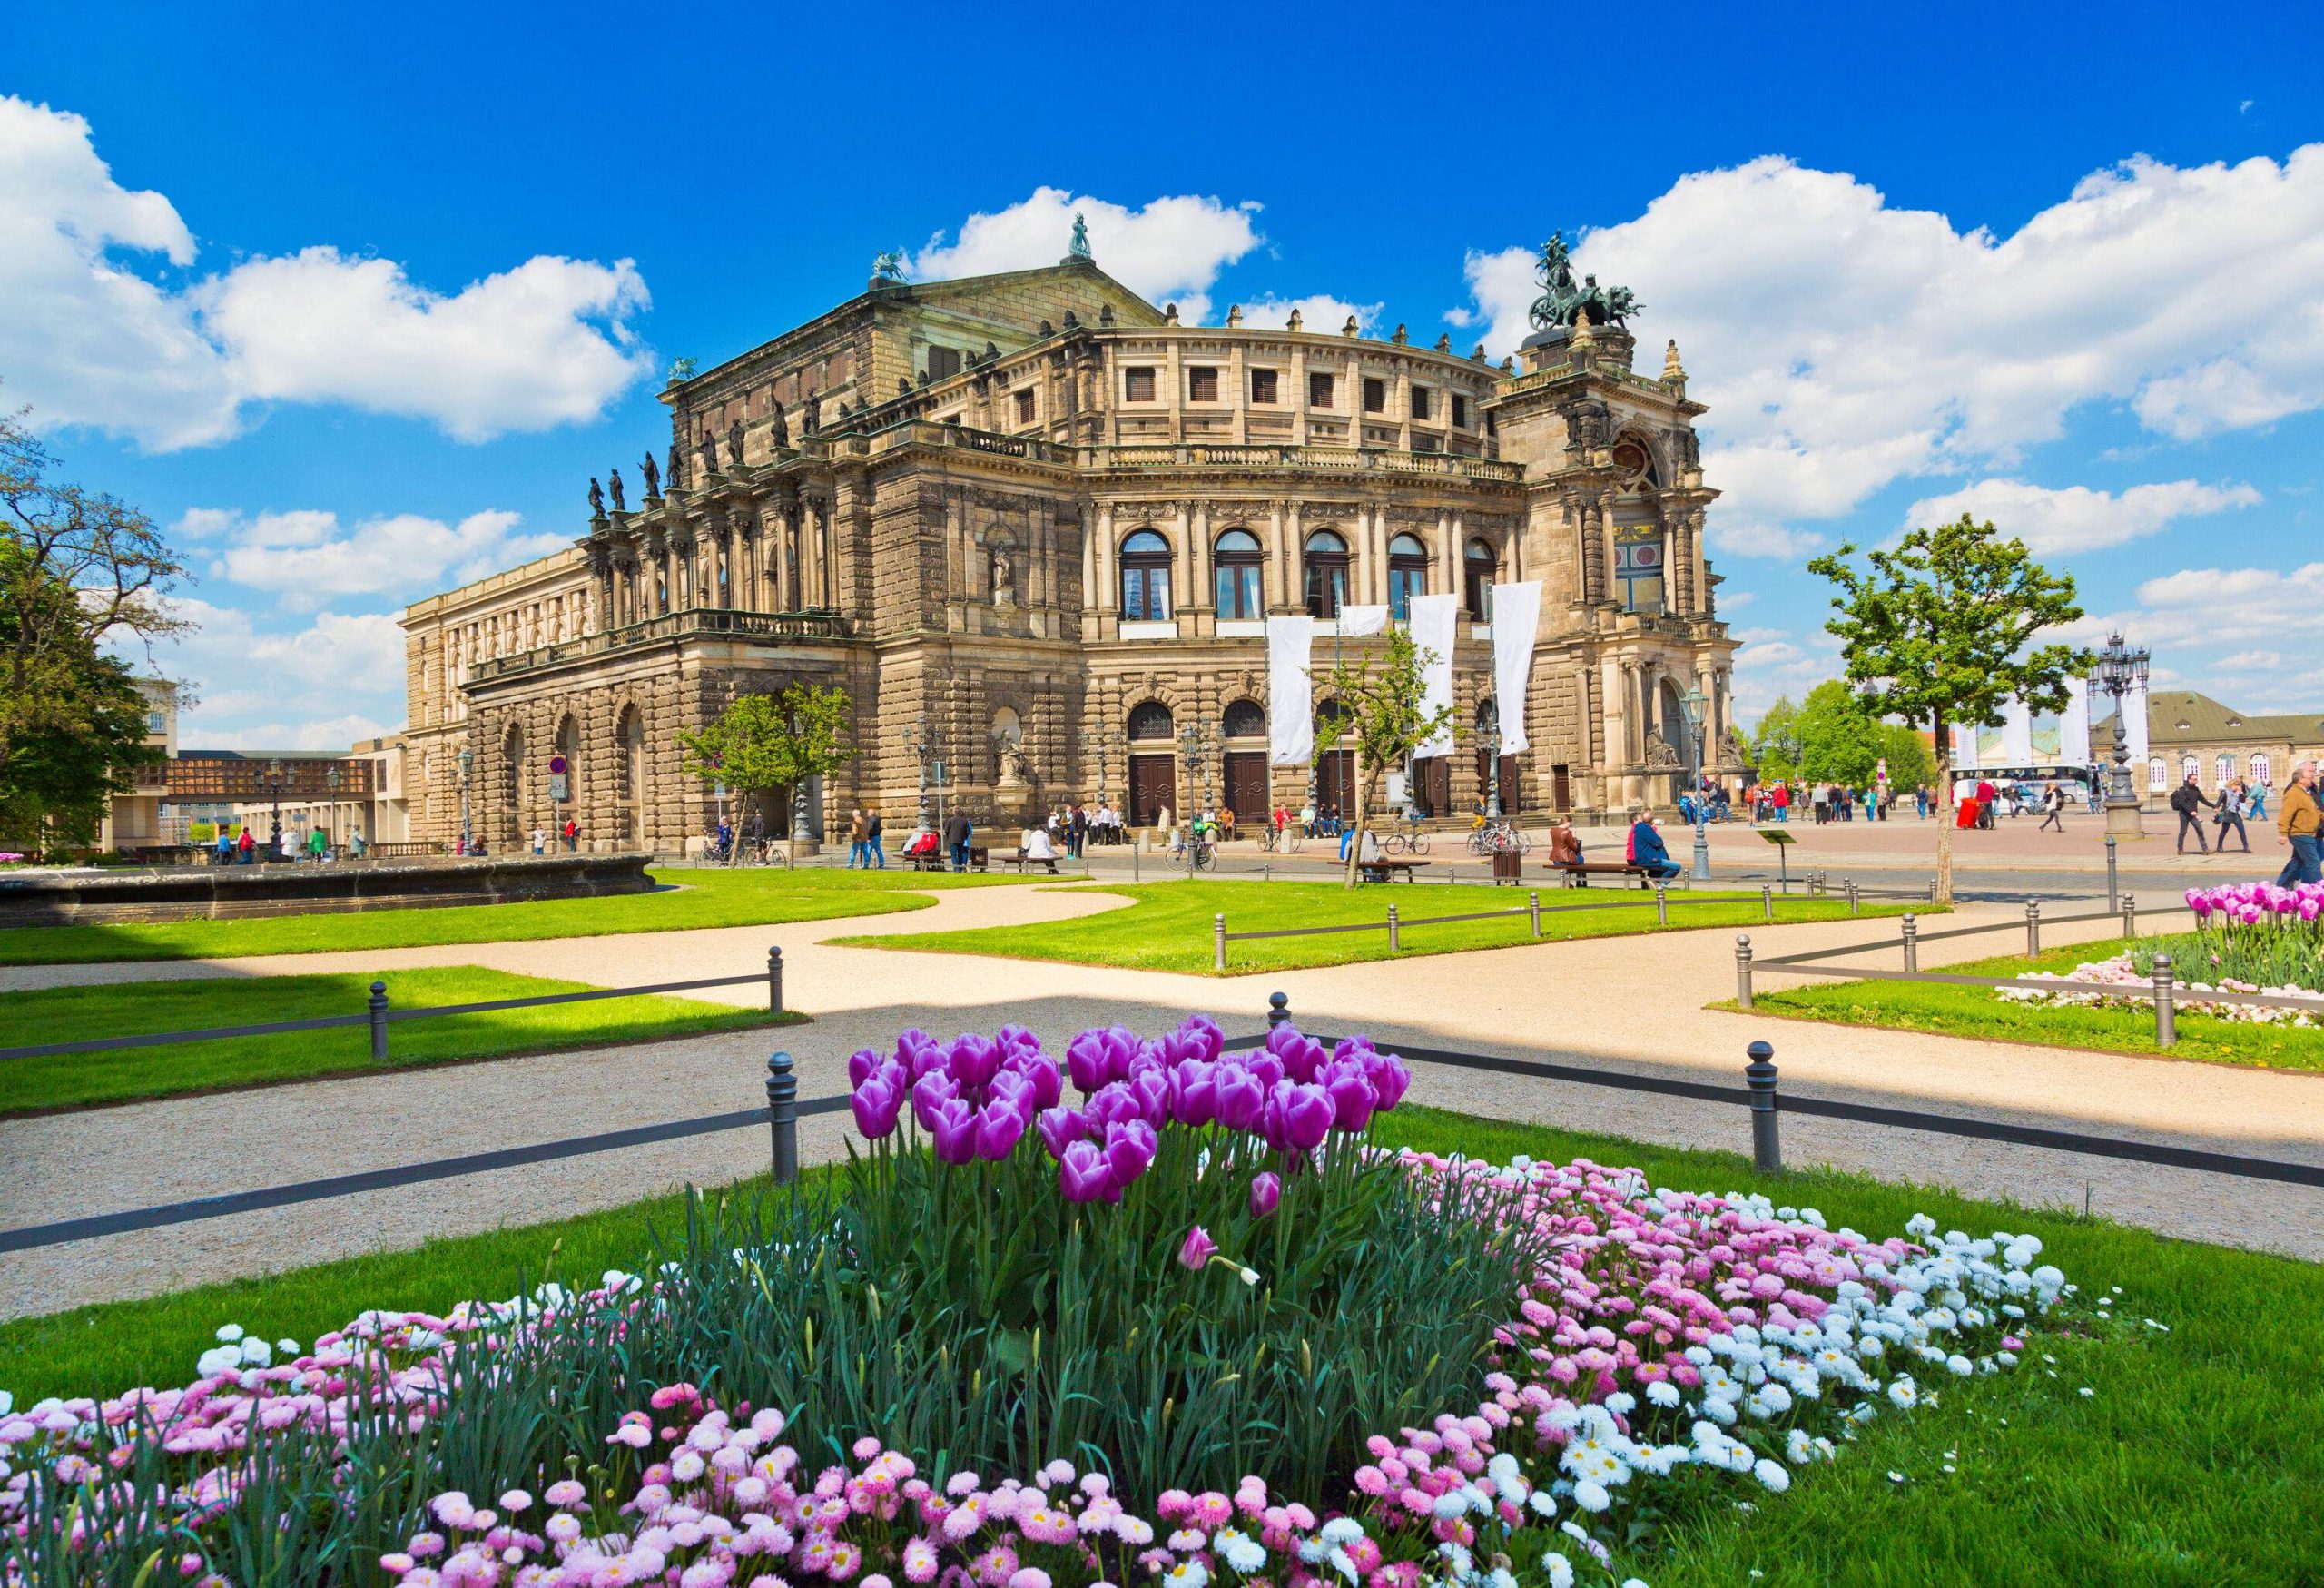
x=2301 y=823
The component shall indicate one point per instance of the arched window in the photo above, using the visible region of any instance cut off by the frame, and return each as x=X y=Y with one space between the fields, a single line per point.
x=1325 y=559
x=1478 y=565
x=629 y=740
x=2157 y=775
x=2188 y=767
x=2222 y=771
x=1237 y=558
x=1244 y=719
x=1151 y=720
x=1407 y=573
x=512 y=768
x=1146 y=578
x=2259 y=771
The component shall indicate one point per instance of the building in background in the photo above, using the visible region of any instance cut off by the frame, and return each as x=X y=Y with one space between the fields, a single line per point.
x=1038 y=524
x=139 y=814
x=2189 y=732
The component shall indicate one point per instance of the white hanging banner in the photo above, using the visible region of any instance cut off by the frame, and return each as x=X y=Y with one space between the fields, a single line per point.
x=1433 y=620
x=1964 y=748
x=2017 y=735
x=1516 y=618
x=1291 y=692
x=2134 y=720
x=2073 y=728
x=1355 y=622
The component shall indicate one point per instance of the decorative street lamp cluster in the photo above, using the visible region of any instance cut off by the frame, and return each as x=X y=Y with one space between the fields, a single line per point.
x=1695 y=705
x=467 y=834
x=2121 y=672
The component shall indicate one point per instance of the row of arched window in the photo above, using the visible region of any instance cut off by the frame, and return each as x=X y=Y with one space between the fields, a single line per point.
x=2257 y=770
x=1239 y=562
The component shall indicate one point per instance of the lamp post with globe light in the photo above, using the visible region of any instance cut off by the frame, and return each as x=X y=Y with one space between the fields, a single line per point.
x=1695 y=705
x=2121 y=671
x=274 y=798
x=467 y=834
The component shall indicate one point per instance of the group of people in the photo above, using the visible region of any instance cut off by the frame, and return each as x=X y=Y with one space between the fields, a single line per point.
x=245 y=849
x=569 y=834
x=2231 y=807
x=1830 y=802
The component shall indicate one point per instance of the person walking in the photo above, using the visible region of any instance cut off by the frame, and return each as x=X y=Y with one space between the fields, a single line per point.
x=873 y=830
x=2301 y=823
x=856 y=855
x=2230 y=814
x=2188 y=800
x=248 y=847
x=225 y=844
x=958 y=831
x=572 y=836
x=2257 y=810
x=2054 y=807
x=540 y=841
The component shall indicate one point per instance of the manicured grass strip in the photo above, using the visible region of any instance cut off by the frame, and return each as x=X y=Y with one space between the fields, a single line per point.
x=69 y=1014
x=692 y=897
x=1170 y=927
x=2198 y=1453
x=1982 y=1011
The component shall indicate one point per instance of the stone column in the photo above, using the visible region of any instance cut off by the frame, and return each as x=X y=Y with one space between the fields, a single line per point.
x=1699 y=564
x=1592 y=549
x=1613 y=686
x=1198 y=561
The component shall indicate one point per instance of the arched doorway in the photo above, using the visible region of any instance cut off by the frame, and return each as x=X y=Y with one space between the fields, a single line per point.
x=1245 y=726
x=1670 y=714
x=1334 y=762
x=1153 y=762
x=563 y=780
x=629 y=776
x=512 y=785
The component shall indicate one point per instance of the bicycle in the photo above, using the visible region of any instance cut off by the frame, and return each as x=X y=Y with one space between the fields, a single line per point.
x=1285 y=842
x=1498 y=837
x=1405 y=838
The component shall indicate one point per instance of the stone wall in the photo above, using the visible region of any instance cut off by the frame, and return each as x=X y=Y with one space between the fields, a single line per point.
x=234 y=892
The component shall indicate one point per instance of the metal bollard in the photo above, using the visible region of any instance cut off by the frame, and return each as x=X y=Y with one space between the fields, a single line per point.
x=1218 y=942
x=1394 y=943
x=1533 y=906
x=774 y=980
x=782 y=1117
x=1743 y=970
x=2166 y=1009
x=1278 y=1008
x=2114 y=889
x=1661 y=904
x=1760 y=1075
x=2032 y=926
x=379 y=1022
x=1932 y=889
x=1133 y=859
x=1855 y=902
x=1912 y=942
x=2130 y=915
x=1767 y=901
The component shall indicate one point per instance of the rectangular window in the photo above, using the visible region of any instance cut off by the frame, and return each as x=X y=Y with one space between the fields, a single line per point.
x=1319 y=390
x=1638 y=566
x=1263 y=386
x=1202 y=383
x=1025 y=407
x=154 y=723
x=1146 y=594
x=943 y=363
x=1237 y=590
x=1460 y=412
x=1420 y=402
x=1375 y=395
x=1137 y=385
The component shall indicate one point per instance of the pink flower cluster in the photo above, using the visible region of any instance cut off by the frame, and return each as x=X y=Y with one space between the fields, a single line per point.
x=2258 y=904
x=974 y=1097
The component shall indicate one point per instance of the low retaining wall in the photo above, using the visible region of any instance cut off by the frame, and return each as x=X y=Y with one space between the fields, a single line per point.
x=233 y=893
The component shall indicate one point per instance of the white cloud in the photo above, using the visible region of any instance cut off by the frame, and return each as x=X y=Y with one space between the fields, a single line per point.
x=89 y=341
x=333 y=680
x=2078 y=519
x=1757 y=537
x=1844 y=344
x=1170 y=249
x=306 y=557
x=336 y=732
x=1318 y=312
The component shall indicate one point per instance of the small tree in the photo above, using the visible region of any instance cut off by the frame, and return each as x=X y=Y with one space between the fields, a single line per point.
x=1381 y=711
x=1940 y=629
x=762 y=743
x=1774 y=751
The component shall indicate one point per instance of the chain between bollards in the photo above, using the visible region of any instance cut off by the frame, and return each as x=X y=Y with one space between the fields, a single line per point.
x=1533 y=908
x=2166 y=1007
x=774 y=980
x=1661 y=904
x=1278 y=1008
x=1742 y=970
x=782 y=1117
x=2032 y=926
x=1218 y=942
x=1912 y=942
x=1760 y=1075
x=1394 y=943
x=378 y=1009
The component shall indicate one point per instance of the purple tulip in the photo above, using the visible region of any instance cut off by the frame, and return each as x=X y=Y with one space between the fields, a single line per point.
x=1308 y=1116
x=877 y=1103
x=1267 y=1191
x=971 y=1061
x=1018 y=1043
x=954 y=1128
x=1152 y=1089
x=1059 y=1127
x=1267 y=1067
x=1207 y=1034
x=861 y=1065
x=1082 y=1174
x=1390 y=1080
x=1193 y=1093
x=999 y=1125
x=1048 y=1085
x=1129 y=1148
x=1351 y=1096
x=1239 y=1098
x=1098 y=1057
x=1300 y=1056
x=1013 y=1085
x=1198 y=1250
x=931 y=1092
x=1114 y=1104
x=917 y=1052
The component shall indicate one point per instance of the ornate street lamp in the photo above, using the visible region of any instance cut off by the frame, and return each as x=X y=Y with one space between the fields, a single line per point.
x=921 y=743
x=1105 y=741
x=1695 y=705
x=274 y=794
x=467 y=834
x=1489 y=731
x=333 y=778
x=2121 y=672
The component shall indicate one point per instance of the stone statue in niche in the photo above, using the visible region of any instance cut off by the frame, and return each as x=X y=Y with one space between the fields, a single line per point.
x=735 y=445
x=1004 y=578
x=709 y=452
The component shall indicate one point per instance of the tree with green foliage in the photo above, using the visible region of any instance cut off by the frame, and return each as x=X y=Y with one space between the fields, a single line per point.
x=1838 y=739
x=1380 y=711
x=1774 y=751
x=1910 y=765
x=765 y=743
x=1941 y=628
x=80 y=571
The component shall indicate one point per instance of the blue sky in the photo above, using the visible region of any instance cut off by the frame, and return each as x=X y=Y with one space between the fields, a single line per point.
x=355 y=303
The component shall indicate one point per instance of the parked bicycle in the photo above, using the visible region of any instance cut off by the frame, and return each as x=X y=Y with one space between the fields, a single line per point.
x=1406 y=837
x=1499 y=838
x=1284 y=842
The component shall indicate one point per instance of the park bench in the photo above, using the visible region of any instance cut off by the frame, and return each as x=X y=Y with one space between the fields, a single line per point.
x=1384 y=870
x=1022 y=862
x=1576 y=873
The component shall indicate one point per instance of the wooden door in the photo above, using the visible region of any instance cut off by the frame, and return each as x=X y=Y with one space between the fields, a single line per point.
x=1335 y=781
x=1246 y=786
x=1513 y=787
x=1433 y=792
x=1561 y=790
x=1151 y=780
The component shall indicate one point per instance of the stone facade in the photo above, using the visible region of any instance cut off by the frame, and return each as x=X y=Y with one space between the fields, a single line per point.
x=1004 y=513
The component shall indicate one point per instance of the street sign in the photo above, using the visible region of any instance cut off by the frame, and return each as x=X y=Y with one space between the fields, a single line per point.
x=557 y=764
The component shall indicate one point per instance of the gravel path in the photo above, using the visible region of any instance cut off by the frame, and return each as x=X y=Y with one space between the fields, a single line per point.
x=1622 y=1003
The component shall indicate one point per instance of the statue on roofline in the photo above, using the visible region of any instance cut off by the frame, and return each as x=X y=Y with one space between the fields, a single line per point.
x=652 y=477
x=614 y=481
x=1563 y=302
x=677 y=471
x=888 y=266
x=596 y=498
x=778 y=432
x=1081 y=236
x=735 y=445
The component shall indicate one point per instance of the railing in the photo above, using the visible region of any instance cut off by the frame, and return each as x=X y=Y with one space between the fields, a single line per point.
x=2162 y=989
x=409 y=850
x=1541 y=377
x=377 y=1014
x=784 y=1109
x=698 y=620
x=1209 y=455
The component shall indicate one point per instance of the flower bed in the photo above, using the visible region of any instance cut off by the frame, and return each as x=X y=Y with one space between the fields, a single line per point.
x=1195 y=1328
x=2248 y=938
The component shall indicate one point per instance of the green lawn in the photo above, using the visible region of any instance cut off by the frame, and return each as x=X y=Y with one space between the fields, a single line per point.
x=71 y=1014
x=2197 y=1460
x=1982 y=1011
x=692 y=897
x=1170 y=927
